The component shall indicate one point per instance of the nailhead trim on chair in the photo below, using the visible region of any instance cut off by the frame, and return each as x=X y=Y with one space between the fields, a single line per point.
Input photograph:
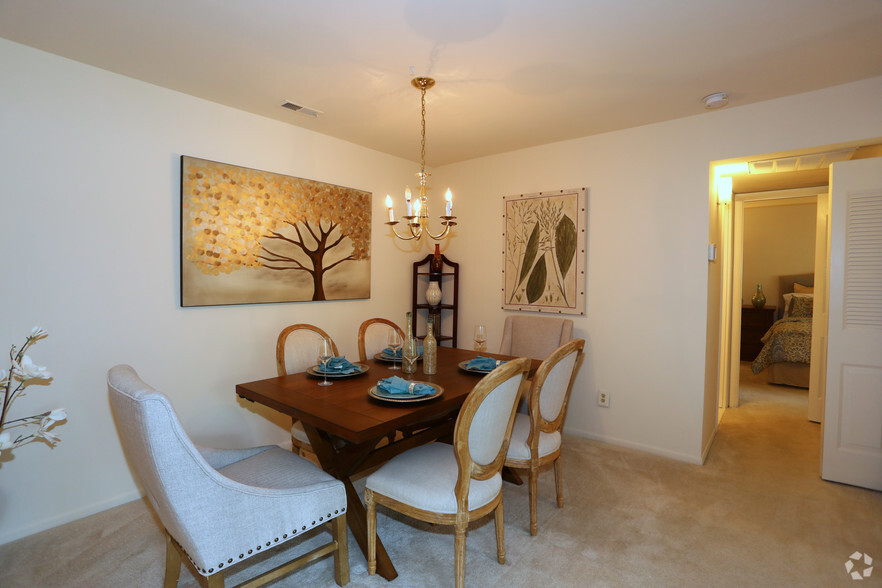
x=258 y=548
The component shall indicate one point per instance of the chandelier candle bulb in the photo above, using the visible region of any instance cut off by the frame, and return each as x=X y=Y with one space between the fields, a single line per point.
x=449 y=198
x=389 y=207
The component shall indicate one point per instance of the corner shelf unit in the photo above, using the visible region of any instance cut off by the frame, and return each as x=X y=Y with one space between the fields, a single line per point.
x=445 y=330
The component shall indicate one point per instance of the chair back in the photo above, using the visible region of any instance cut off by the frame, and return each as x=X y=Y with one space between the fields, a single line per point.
x=298 y=347
x=178 y=481
x=534 y=336
x=373 y=337
x=483 y=427
x=552 y=385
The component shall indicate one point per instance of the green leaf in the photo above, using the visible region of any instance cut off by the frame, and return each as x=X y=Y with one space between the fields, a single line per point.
x=536 y=283
x=565 y=244
x=530 y=253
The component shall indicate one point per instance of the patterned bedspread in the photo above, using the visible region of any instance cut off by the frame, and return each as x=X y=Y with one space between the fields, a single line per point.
x=789 y=339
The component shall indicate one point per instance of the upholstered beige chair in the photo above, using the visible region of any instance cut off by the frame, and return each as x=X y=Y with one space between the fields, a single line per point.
x=536 y=438
x=297 y=349
x=454 y=484
x=534 y=336
x=372 y=337
x=220 y=507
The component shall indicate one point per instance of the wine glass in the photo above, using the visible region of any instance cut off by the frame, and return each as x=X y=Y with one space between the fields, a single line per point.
x=326 y=354
x=480 y=338
x=394 y=343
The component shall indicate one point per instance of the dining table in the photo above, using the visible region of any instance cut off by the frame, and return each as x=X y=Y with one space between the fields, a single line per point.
x=351 y=430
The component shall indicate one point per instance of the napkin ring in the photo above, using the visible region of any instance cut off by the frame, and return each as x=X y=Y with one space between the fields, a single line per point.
x=410 y=387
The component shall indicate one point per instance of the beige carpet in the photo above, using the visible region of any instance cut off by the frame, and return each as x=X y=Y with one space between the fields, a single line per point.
x=756 y=514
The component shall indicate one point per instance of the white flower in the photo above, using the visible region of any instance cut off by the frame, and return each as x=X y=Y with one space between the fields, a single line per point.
x=28 y=370
x=52 y=439
x=3 y=375
x=5 y=440
x=38 y=333
x=56 y=415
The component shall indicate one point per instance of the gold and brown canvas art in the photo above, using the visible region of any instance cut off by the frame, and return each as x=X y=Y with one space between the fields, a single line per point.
x=250 y=236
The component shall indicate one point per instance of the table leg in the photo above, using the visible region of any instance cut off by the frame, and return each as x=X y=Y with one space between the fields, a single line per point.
x=356 y=516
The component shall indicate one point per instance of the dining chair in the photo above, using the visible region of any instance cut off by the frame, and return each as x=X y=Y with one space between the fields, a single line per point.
x=220 y=507
x=373 y=336
x=534 y=336
x=297 y=349
x=536 y=437
x=454 y=484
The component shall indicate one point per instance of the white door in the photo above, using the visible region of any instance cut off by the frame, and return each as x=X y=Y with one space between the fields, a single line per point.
x=852 y=431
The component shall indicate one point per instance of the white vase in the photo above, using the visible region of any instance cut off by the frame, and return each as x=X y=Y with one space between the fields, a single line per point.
x=433 y=294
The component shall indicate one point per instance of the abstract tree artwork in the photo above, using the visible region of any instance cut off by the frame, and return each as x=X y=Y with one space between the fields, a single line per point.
x=544 y=243
x=250 y=236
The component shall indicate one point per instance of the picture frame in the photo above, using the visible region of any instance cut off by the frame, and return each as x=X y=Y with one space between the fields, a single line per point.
x=250 y=236
x=545 y=238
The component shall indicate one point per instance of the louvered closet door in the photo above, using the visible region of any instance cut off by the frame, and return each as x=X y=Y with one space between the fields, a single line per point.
x=852 y=445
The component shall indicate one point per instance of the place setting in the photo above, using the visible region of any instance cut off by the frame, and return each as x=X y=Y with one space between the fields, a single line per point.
x=481 y=365
x=330 y=366
x=393 y=351
x=398 y=389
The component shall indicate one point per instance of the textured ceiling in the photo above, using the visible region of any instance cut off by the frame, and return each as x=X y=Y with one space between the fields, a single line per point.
x=510 y=74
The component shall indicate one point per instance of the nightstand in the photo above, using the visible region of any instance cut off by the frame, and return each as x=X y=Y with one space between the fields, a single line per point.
x=754 y=324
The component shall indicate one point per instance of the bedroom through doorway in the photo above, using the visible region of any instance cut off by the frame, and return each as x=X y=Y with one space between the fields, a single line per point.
x=775 y=233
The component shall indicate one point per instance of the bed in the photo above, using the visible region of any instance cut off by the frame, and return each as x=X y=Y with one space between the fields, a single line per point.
x=787 y=345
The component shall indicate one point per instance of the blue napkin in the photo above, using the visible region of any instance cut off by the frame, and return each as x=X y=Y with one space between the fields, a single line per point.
x=396 y=385
x=387 y=352
x=339 y=365
x=483 y=363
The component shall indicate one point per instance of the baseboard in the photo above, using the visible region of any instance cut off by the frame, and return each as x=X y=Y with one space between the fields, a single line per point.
x=696 y=459
x=45 y=524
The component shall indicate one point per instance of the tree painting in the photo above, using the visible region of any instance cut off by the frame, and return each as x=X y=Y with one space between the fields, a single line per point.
x=542 y=253
x=284 y=238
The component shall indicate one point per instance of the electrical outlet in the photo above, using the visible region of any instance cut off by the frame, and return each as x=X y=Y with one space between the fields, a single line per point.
x=603 y=399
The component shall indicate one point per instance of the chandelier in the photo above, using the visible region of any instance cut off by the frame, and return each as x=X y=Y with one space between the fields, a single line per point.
x=417 y=217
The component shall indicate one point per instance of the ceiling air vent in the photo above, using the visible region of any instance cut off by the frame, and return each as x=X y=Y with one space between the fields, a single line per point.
x=301 y=109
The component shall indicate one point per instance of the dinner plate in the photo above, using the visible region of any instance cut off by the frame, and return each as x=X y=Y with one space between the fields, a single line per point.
x=388 y=358
x=315 y=371
x=375 y=392
x=464 y=365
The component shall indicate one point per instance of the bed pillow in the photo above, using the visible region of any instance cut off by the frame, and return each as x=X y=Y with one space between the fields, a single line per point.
x=801 y=306
x=800 y=289
x=788 y=299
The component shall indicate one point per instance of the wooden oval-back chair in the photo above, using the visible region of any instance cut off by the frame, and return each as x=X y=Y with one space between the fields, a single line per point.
x=297 y=349
x=372 y=337
x=454 y=484
x=536 y=437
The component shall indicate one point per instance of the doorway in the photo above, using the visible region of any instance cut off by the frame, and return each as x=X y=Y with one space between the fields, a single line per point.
x=774 y=235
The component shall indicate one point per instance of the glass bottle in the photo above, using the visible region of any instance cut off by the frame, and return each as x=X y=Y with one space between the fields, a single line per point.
x=410 y=352
x=436 y=265
x=430 y=350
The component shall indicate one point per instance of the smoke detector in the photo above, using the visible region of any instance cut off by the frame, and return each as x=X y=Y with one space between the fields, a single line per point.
x=299 y=108
x=716 y=100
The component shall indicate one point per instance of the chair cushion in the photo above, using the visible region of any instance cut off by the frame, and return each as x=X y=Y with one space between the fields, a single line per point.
x=277 y=469
x=425 y=477
x=518 y=448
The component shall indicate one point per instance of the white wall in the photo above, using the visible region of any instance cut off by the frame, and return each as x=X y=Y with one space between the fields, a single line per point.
x=778 y=241
x=90 y=235
x=651 y=325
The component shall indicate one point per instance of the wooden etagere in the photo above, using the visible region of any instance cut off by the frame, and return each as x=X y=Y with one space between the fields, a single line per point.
x=446 y=274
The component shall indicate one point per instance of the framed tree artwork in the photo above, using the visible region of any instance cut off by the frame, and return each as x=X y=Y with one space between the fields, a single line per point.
x=250 y=236
x=544 y=244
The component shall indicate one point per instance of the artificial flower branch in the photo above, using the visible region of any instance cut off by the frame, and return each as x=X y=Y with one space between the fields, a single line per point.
x=24 y=371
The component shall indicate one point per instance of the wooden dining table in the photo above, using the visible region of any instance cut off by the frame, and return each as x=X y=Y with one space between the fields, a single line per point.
x=351 y=431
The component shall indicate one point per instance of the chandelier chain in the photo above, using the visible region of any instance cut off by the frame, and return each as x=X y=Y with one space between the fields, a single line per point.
x=423 y=141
